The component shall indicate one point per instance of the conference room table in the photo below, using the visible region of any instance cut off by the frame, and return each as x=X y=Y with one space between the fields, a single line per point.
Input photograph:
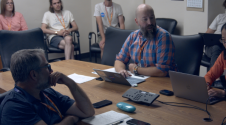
x=155 y=114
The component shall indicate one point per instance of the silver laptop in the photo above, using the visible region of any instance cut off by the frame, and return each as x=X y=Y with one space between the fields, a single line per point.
x=190 y=87
x=117 y=78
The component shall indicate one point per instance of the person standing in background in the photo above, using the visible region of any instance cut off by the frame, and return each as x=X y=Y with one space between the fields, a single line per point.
x=108 y=14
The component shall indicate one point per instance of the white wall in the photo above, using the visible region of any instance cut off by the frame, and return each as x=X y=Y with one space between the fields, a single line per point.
x=195 y=21
x=128 y=8
x=169 y=9
x=33 y=11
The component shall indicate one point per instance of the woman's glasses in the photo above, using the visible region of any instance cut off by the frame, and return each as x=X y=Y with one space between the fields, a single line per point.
x=222 y=41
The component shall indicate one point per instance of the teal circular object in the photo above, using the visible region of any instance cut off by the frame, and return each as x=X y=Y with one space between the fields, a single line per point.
x=126 y=107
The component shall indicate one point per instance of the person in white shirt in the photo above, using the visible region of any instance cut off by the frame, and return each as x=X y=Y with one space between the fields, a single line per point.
x=108 y=14
x=214 y=51
x=56 y=23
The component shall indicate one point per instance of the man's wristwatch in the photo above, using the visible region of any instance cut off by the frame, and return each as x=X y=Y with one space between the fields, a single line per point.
x=55 y=32
x=135 y=70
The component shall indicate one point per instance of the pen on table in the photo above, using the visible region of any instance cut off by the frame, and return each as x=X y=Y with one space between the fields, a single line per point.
x=117 y=123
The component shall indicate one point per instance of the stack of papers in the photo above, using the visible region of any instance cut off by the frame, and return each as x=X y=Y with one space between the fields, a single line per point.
x=107 y=118
x=80 y=78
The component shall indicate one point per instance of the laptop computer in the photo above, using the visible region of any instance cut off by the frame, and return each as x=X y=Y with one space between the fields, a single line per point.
x=191 y=87
x=115 y=77
x=211 y=39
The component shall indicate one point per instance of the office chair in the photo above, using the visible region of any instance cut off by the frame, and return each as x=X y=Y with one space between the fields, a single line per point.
x=209 y=41
x=167 y=24
x=52 y=49
x=2 y=95
x=12 y=41
x=95 y=48
x=115 y=38
x=188 y=53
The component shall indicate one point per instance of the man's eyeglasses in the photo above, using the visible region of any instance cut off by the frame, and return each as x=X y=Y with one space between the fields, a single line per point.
x=8 y=3
x=222 y=41
x=48 y=66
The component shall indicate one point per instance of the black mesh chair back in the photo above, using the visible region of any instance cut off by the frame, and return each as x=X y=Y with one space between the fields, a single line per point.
x=12 y=41
x=188 y=53
x=115 y=38
x=167 y=24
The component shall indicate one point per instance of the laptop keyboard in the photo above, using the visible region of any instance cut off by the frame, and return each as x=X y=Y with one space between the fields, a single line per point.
x=134 y=81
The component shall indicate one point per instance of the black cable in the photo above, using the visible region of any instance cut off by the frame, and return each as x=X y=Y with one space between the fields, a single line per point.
x=189 y=106
x=223 y=121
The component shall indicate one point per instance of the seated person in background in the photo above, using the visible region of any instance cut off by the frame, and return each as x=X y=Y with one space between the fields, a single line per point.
x=108 y=14
x=33 y=102
x=214 y=51
x=151 y=48
x=56 y=23
x=9 y=19
x=217 y=69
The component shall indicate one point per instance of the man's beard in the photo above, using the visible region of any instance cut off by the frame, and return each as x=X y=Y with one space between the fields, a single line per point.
x=148 y=34
x=43 y=84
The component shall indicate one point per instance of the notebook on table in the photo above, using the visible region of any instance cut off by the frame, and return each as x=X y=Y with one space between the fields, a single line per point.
x=107 y=118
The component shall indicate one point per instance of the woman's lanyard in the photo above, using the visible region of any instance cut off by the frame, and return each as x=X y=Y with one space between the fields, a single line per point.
x=58 y=111
x=141 y=50
x=62 y=23
x=109 y=20
x=9 y=24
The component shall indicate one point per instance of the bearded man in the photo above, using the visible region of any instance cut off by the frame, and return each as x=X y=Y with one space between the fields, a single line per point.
x=151 y=47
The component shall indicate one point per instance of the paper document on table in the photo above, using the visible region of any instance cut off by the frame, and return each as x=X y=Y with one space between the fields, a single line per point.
x=107 y=118
x=133 y=76
x=80 y=78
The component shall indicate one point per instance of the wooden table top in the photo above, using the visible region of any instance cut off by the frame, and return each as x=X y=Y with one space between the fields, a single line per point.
x=155 y=114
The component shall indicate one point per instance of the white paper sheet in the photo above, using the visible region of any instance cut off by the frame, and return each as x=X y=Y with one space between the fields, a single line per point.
x=80 y=78
x=107 y=118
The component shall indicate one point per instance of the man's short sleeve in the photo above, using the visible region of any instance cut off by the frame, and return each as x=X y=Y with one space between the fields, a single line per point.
x=165 y=53
x=97 y=10
x=45 y=19
x=214 y=24
x=64 y=102
x=124 y=55
x=119 y=9
x=71 y=17
x=16 y=112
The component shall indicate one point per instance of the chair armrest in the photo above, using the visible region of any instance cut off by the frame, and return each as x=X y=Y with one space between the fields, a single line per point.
x=46 y=40
x=76 y=32
x=90 y=38
x=4 y=69
x=98 y=34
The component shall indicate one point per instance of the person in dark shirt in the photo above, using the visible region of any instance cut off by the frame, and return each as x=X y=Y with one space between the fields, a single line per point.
x=33 y=102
